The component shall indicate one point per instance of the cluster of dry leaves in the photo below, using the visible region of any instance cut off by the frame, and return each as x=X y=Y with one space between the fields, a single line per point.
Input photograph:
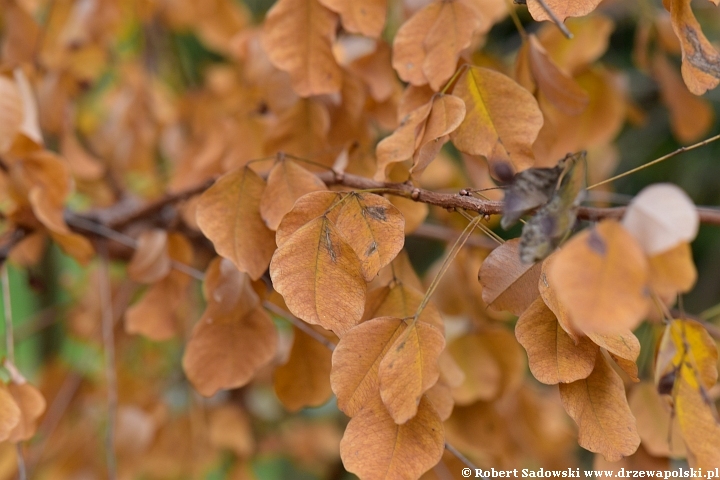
x=287 y=180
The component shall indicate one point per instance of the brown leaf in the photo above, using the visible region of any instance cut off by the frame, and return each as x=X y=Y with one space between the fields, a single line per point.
x=410 y=368
x=392 y=452
x=228 y=214
x=600 y=277
x=10 y=413
x=367 y=18
x=308 y=207
x=298 y=37
x=32 y=405
x=83 y=165
x=591 y=36
x=287 y=182
x=557 y=86
x=373 y=228
x=660 y=217
x=508 y=284
x=304 y=381
x=502 y=119
x=400 y=146
x=233 y=338
x=11 y=112
x=229 y=428
x=440 y=396
x=655 y=424
x=699 y=425
x=482 y=370
x=301 y=130
x=672 y=272
x=402 y=301
x=700 y=60
x=561 y=8
x=553 y=355
x=690 y=116
x=427 y=47
x=599 y=407
x=150 y=261
x=320 y=277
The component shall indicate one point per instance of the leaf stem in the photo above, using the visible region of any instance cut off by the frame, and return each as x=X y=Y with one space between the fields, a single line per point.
x=556 y=20
x=658 y=160
x=455 y=76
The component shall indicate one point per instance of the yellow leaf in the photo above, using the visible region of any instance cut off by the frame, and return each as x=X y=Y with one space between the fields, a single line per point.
x=304 y=380
x=320 y=277
x=298 y=37
x=509 y=284
x=700 y=60
x=287 y=182
x=599 y=407
x=374 y=228
x=672 y=272
x=427 y=47
x=699 y=425
x=600 y=276
x=228 y=214
x=561 y=8
x=150 y=261
x=409 y=368
x=657 y=427
x=695 y=354
x=502 y=119
x=392 y=452
x=367 y=17
x=553 y=355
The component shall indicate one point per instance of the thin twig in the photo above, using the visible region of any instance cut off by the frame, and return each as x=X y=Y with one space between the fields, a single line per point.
x=555 y=19
x=108 y=328
x=299 y=324
x=462 y=458
x=447 y=234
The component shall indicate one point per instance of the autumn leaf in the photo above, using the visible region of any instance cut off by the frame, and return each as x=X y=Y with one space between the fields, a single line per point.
x=233 y=338
x=320 y=276
x=308 y=207
x=11 y=413
x=699 y=425
x=657 y=427
x=228 y=214
x=367 y=18
x=410 y=368
x=373 y=228
x=151 y=261
x=553 y=355
x=400 y=300
x=304 y=380
x=31 y=404
x=11 y=111
x=502 y=119
x=672 y=272
x=287 y=182
x=700 y=59
x=230 y=428
x=660 y=217
x=561 y=8
x=600 y=276
x=447 y=112
x=393 y=452
x=298 y=37
x=427 y=47
x=599 y=407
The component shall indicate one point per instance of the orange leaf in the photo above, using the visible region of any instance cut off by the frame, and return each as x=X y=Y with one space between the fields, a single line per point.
x=10 y=413
x=402 y=301
x=561 y=8
x=304 y=381
x=308 y=207
x=373 y=228
x=672 y=272
x=502 y=119
x=509 y=284
x=400 y=146
x=11 y=112
x=298 y=37
x=367 y=17
x=699 y=425
x=599 y=407
x=552 y=354
x=32 y=405
x=591 y=36
x=600 y=276
x=228 y=214
x=287 y=182
x=427 y=47
x=320 y=276
x=229 y=428
x=409 y=368
x=482 y=379
x=392 y=452
x=657 y=428
x=150 y=261
x=700 y=61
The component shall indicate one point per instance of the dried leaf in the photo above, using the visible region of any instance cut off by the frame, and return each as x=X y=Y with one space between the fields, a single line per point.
x=31 y=404
x=448 y=111
x=287 y=182
x=591 y=36
x=502 y=119
x=228 y=214
x=11 y=112
x=150 y=261
x=561 y=8
x=307 y=208
x=320 y=277
x=599 y=407
x=298 y=37
x=427 y=47
x=553 y=356
x=482 y=370
x=304 y=380
x=660 y=217
x=409 y=369
x=400 y=146
x=402 y=301
x=672 y=272
x=654 y=421
x=229 y=428
x=373 y=228
x=367 y=18
x=508 y=284
x=600 y=277
x=699 y=425
x=10 y=413
x=700 y=60
x=393 y=452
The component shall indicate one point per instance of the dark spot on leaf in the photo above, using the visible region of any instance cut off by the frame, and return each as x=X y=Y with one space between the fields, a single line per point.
x=708 y=62
x=371 y=249
x=376 y=213
x=666 y=383
x=596 y=243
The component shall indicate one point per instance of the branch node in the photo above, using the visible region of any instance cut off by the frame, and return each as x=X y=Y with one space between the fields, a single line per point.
x=415 y=194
